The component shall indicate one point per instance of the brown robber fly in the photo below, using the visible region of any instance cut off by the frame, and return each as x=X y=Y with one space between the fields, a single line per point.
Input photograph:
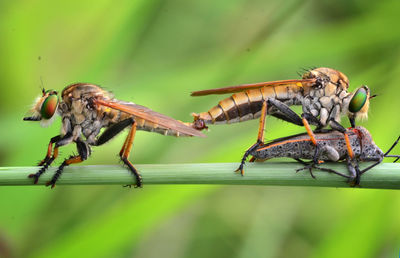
x=322 y=93
x=87 y=108
x=333 y=148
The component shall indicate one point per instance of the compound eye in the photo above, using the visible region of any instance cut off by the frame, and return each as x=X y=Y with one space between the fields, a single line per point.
x=358 y=100
x=49 y=106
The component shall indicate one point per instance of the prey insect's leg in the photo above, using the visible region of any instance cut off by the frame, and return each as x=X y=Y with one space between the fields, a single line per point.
x=125 y=154
x=84 y=152
x=308 y=166
x=311 y=165
x=338 y=127
x=260 y=138
x=60 y=141
x=354 y=169
x=384 y=155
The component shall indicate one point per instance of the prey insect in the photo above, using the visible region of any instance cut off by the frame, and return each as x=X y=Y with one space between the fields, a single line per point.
x=333 y=148
x=87 y=108
x=322 y=93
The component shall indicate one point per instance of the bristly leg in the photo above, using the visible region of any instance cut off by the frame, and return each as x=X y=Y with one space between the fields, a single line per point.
x=246 y=154
x=49 y=150
x=48 y=160
x=260 y=138
x=84 y=152
x=45 y=167
x=125 y=151
x=71 y=160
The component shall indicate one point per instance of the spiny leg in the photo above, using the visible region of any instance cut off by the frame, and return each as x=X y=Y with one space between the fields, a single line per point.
x=126 y=147
x=59 y=141
x=49 y=150
x=123 y=147
x=45 y=166
x=84 y=152
x=260 y=138
x=126 y=151
x=67 y=162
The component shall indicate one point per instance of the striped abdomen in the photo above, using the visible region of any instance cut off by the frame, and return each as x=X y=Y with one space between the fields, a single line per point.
x=246 y=105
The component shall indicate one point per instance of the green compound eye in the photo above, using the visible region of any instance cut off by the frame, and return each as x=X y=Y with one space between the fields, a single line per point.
x=358 y=100
x=49 y=106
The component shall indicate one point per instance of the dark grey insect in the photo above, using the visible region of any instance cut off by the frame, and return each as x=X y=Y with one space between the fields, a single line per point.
x=332 y=148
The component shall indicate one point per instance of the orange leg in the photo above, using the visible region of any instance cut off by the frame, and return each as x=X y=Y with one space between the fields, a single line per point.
x=49 y=150
x=48 y=155
x=67 y=162
x=261 y=125
x=123 y=147
x=309 y=131
x=46 y=165
x=126 y=150
x=260 y=138
x=349 y=149
x=335 y=125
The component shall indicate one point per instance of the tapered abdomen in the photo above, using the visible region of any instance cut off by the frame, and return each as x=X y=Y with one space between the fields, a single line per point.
x=145 y=125
x=243 y=106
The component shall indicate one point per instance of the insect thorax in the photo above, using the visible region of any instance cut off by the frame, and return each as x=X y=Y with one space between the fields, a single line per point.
x=325 y=102
x=80 y=115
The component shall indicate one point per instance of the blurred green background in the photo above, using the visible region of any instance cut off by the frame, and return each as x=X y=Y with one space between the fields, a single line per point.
x=155 y=53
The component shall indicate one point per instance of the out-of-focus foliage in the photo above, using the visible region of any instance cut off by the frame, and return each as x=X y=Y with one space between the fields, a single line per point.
x=155 y=53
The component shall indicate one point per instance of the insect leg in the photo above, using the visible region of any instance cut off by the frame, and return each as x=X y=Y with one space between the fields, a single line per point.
x=60 y=142
x=49 y=149
x=113 y=131
x=311 y=165
x=338 y=127
x=84 y=152
x=306 y=166
x=286 y=113
x=126 y=151
x=386 y=155
x=352 y=169
x=260 y=138
x=352 y=122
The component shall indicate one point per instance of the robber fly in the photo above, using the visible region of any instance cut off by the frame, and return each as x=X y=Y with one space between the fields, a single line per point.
x=86 y=109
x=333 y=149
x=322 y=93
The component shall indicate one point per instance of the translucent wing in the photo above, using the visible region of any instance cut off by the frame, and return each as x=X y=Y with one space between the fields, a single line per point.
x=243 y=87
x=151 y=116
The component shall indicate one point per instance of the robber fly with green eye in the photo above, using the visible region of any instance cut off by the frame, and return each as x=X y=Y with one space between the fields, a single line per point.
x=87 y=108
x=322 y=93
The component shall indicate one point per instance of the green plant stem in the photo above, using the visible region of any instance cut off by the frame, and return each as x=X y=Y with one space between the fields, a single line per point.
x=383 y=176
